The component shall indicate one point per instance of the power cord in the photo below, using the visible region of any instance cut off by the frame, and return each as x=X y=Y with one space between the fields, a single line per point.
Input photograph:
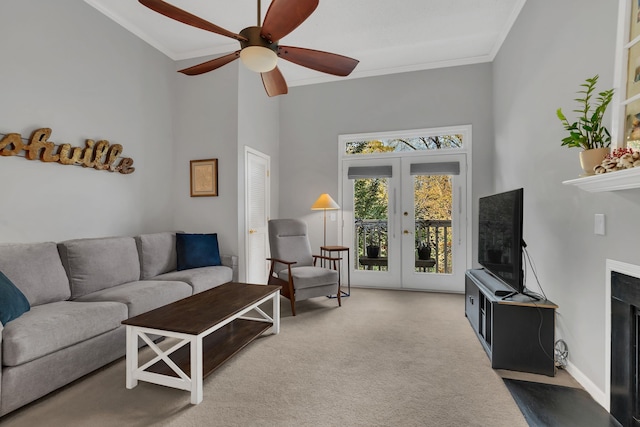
x=542 y=296
x=533 y=270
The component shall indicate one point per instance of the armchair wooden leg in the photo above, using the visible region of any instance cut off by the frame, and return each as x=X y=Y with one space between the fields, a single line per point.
x=339 y=300
x=293 y=306
x=292 y=293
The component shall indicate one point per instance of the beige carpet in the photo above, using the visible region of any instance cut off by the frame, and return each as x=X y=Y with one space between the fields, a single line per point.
x=386 y=358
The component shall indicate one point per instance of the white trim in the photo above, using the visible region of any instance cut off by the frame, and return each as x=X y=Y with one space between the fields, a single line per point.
x=610 y=181
x=595 y=392
x=373 y=72
x=507 y=28
x=467 y=148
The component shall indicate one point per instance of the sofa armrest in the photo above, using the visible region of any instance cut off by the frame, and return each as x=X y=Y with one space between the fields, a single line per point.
x=231 y=261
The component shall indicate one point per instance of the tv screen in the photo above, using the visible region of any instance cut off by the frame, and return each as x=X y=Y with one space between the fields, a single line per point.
x=500 y=237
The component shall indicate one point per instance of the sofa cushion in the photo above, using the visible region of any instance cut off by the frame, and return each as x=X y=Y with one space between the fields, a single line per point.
x=95 y=264
x=13 y=303
x=202 y=278
x=309 y=277
x=157 y=253
x=35 y=269
x=197 y=250
x=142 y=296
x=51 y=327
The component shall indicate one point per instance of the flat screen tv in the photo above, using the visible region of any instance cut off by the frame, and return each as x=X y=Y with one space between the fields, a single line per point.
x=500 y=240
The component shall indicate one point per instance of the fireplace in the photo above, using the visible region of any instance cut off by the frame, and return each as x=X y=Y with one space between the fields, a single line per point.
x=625 y=348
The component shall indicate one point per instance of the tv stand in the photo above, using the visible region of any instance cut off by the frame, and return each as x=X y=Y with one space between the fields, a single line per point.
x=517 y=333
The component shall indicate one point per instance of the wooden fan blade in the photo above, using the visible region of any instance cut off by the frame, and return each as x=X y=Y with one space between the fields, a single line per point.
x=326 y=62
x=205 y=67
x=274 y=82
x=185 y=17
x=284 y=16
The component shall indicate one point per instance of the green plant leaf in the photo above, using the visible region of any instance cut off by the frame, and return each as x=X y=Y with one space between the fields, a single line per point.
x=588 y=131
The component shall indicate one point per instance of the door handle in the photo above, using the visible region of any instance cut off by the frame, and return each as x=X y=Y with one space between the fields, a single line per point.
x=407 y=232
x=252 y=231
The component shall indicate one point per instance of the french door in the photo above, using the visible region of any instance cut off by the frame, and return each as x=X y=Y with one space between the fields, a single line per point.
x=405 y=219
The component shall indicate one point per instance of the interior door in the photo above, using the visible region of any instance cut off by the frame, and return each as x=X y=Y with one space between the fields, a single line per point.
x=434 y=222
x=257 y=191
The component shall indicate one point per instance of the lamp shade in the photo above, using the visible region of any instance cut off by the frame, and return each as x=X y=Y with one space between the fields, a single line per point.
x=258 y=58
x=325 y=202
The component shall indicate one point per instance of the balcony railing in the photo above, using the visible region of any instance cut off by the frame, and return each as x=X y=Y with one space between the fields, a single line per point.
x=374 y=233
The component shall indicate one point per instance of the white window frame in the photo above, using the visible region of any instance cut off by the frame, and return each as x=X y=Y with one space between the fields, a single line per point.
x=467 y=148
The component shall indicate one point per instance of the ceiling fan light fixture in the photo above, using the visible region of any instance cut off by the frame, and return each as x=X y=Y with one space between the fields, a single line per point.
x=259 y=59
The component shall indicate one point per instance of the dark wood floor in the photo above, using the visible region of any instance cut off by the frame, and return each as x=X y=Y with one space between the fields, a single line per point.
x=551 y=405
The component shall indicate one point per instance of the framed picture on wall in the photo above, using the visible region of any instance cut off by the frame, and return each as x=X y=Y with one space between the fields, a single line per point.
x=204 y=178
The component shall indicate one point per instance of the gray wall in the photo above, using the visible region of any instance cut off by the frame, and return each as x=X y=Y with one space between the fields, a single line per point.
x=259 y=129
x=67 y=67
x=551 y=49
x=206 y=127
x=314 y=116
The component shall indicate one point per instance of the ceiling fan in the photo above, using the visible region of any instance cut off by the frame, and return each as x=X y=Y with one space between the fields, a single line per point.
x=259 y=45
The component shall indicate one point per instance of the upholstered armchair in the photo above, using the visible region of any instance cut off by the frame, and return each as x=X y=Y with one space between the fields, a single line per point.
x=294 y=267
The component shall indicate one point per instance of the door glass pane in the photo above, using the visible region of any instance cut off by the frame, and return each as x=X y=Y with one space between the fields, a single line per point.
x=433 y=206
x=371 y=202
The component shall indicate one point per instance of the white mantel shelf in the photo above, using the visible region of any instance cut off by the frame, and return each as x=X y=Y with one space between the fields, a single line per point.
x=611 y=181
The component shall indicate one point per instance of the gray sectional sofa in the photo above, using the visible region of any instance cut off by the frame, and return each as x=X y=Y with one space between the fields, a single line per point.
x=79 y=292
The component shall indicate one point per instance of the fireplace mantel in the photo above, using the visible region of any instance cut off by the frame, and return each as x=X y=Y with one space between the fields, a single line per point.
x=612 y=181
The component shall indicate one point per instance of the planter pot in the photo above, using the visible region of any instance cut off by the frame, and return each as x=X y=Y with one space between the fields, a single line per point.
x=373 y=251
x=592 y=158
x=424 y=253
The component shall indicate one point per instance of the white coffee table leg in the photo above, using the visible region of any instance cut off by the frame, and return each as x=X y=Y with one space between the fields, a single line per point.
x=276 y=313
x=132 y=357
x=196 y=370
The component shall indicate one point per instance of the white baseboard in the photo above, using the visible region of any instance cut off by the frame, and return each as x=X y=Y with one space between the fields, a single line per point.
x=598 y=395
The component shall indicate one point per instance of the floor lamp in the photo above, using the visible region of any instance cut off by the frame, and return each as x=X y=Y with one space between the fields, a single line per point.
x=325 y=203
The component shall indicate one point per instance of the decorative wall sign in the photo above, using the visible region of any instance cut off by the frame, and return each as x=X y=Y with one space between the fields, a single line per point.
x=204 y=178
x=99 y=155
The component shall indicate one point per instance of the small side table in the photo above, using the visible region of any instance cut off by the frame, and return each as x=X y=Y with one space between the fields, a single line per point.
x=326 y=251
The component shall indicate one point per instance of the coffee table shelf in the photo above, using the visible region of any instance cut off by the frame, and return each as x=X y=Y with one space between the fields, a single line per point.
x=217 y=347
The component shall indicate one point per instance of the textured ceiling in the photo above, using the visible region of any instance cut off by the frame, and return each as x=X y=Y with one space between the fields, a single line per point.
x=389 y=36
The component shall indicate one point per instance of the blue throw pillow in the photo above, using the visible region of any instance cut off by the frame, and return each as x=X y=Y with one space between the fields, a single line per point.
x=13 y=303
x=197 y=250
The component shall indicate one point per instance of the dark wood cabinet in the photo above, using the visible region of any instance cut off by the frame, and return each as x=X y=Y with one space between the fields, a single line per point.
x=516 y=332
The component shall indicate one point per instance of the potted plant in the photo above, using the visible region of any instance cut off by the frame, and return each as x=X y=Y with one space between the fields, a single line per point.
x=588 y=132
x=424 y=249
x=373 y=246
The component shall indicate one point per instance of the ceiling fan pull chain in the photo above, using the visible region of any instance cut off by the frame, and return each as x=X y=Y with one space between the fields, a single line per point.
x=259 y=13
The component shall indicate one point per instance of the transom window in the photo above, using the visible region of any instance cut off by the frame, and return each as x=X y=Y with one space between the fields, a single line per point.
x=405 y=144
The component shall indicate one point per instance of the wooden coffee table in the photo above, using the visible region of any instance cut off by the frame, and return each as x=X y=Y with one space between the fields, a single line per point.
x=214 y=325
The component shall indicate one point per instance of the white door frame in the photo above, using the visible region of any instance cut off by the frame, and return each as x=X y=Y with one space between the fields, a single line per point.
x=465 y=130
x=253 y=232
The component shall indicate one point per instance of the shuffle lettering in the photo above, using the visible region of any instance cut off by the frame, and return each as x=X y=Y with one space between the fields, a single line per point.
x=98 y=155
